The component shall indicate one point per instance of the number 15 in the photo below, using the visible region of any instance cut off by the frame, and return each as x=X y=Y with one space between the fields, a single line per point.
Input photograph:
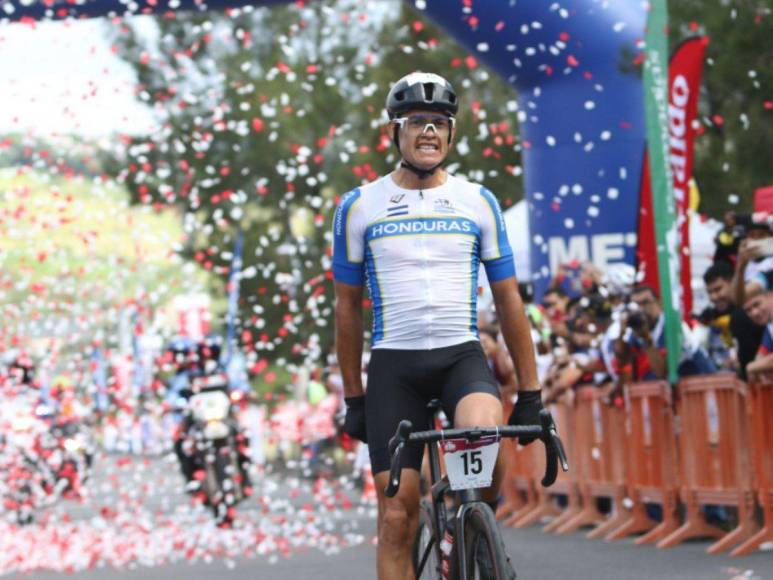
x=472 y=462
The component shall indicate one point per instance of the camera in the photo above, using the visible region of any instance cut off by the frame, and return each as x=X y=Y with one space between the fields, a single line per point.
x=636 y=321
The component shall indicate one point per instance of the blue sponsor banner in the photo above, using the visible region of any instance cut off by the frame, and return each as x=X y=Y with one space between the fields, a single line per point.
x=575 y=68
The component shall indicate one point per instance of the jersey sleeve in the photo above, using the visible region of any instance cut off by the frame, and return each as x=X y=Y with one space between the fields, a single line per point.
x=766 y=347
x=495 y=251
x=349 y=240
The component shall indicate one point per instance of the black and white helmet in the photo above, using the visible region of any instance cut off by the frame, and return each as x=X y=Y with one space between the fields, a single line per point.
x=424 y=91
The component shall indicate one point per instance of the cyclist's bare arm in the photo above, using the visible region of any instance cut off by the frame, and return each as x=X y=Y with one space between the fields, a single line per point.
x=516 y=332
x=349 y=333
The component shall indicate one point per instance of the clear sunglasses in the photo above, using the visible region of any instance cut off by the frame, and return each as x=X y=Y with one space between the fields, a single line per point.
x=422 y=123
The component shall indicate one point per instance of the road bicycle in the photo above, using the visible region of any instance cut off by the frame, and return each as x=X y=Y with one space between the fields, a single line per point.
x=467 y=545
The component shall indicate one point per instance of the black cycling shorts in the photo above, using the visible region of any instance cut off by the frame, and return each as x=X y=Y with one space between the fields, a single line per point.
x=402 y=382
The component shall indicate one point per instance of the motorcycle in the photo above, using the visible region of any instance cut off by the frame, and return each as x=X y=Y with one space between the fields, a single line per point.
x=217 y=446
x=42 y=464
x=68 y=449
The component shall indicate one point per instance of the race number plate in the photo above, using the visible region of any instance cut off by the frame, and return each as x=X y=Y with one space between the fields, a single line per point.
x=470 y=464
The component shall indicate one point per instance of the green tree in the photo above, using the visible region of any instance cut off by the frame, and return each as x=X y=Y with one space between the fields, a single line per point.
x=268 y=116
x=732 y=150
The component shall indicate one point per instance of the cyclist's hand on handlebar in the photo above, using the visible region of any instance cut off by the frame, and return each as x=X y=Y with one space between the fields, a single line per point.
x=354 y=422
x=526 y=412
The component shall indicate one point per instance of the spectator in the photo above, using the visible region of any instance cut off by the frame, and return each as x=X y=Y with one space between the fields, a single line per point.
x=640 y=350
x=618 y=283
x=582 y=362
x=540 y=326
x=576 y=279
x=556 y=304
x=755 y=257
x=728 y=238
x=499 y=361
x=759 y=307
x=732 y=338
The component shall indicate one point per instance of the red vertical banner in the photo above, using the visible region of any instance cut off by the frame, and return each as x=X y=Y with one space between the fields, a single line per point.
x=647 y=251
x=684 y=82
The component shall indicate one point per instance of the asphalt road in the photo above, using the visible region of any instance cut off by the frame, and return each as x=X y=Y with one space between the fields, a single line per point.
x=536 y=556
x=311 y=533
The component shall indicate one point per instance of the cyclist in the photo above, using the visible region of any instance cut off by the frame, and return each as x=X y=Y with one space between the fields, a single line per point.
x=417 y=236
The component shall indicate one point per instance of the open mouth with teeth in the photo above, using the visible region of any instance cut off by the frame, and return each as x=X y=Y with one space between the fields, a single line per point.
x=427 y=147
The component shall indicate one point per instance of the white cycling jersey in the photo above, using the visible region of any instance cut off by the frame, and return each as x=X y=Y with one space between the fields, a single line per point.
x=419 y=251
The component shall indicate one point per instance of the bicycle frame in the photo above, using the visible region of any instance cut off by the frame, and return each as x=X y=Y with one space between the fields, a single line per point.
x=466 y=498
x=440 y=486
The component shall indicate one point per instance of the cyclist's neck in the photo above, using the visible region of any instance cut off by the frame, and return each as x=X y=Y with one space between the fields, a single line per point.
x=408 y=179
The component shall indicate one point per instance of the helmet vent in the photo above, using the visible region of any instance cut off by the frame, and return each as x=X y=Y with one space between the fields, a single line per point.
x=429 y=91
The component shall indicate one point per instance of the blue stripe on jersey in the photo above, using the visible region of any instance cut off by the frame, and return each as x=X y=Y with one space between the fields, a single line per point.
x=475 y=267
x=375 y=295
x=499 y=221
x=500 y=269
x=344 y=270
x=423 y=225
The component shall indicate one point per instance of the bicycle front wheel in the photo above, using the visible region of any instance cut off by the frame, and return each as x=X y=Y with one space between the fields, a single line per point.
x=484 y=550
x=425 y=546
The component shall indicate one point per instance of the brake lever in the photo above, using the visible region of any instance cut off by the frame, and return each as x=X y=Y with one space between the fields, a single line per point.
x=554 y=449
x=396 y=446
x=401 y=435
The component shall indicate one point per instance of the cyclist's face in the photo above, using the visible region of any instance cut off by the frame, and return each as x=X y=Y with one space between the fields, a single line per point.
x=424 y=137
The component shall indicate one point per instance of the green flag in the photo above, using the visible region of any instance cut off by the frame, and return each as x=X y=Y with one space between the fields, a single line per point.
x=664 y=206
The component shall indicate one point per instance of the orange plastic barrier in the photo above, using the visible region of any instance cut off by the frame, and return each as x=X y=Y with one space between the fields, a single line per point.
x=760 y=407
x=599 y=461
x=512 y=493
x=715 y=468
x=521 y=483
x=540 y=501
x=650 y=459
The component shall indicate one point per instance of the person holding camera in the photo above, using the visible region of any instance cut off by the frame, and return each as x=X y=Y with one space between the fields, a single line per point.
x=640 y=350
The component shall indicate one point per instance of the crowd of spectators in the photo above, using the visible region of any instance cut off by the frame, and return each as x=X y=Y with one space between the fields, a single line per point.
x=608 y=329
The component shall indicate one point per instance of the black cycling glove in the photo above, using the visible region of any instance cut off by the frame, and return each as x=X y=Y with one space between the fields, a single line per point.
x=354 y=423
x=526 y=412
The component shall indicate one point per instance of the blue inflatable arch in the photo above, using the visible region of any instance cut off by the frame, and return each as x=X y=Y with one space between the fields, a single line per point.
x=574 y=65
